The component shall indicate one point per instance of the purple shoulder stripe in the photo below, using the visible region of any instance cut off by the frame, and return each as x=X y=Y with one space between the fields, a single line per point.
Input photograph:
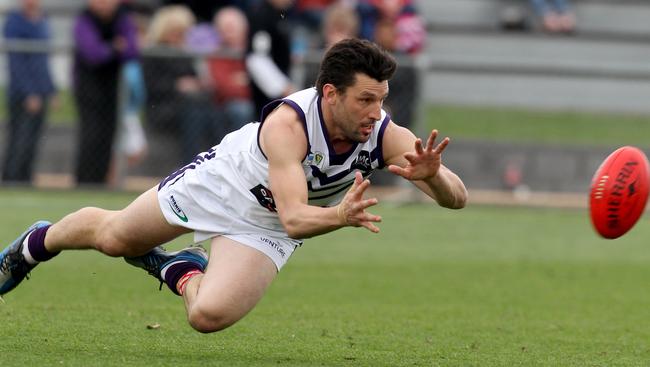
x=380 y=141
x=266 y=111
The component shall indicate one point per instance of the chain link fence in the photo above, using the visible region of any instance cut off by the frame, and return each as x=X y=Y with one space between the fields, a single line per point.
x=125 y=126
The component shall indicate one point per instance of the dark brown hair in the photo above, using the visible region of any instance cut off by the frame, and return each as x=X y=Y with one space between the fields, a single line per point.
x=346 y=58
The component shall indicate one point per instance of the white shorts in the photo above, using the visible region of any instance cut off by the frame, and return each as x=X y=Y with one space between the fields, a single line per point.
x=277 y=249
x=191 y=203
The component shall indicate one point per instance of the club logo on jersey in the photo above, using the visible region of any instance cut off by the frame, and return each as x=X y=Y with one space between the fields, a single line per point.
x=314 y=159
x=264 y=196
x=362 y=162
x=177 y=209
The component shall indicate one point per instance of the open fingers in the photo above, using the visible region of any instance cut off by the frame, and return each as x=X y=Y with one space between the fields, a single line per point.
x=443 y=144
x=359 y=189
x=412 y=158
x=395 y=169
x=358 y=217
x=371 y=227
x=368 y=221
x=359 y=185
x=418 y=146
x=358 y=179
x=365 y=204
x=432 y=140
x=357 y=210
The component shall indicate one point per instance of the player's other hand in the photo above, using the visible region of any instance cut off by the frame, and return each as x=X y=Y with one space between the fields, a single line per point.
x=352 y=209
x=424 y=162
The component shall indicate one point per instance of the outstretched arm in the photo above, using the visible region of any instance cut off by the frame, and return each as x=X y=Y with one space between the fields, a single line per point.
x=283 y=141
x=423 y=165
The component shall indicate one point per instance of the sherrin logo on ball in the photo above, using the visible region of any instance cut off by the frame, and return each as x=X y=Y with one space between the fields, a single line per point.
x=619 y=192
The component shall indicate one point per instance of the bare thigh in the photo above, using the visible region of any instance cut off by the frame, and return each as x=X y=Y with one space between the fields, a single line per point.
x=236 y=279
x=142 y=224
x=131 y=231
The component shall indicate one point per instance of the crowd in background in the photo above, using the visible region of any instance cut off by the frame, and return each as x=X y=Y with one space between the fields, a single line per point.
x=193 y=69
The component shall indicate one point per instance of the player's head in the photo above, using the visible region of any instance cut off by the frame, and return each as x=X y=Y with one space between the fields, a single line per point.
x=353 y=83
x=349 y=57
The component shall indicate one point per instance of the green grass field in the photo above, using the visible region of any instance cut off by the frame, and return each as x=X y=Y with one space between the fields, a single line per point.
x=536 y=126
x=483 y=286
x=491 y=123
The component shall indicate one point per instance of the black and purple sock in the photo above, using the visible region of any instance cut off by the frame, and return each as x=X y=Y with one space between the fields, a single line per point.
x=36 y=245
x=175 y=272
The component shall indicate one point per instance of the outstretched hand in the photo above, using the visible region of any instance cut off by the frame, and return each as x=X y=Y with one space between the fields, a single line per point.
x=424 y=162
x=352 y=209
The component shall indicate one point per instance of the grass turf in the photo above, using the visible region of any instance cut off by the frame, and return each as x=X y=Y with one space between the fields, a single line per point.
x=555 y=127
x=492 y=123
x=484 y=286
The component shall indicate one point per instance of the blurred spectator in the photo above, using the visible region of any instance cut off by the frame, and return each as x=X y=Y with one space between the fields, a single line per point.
x=131 y=145
x=268 y=57
x=394 y=24
x=229 y=76
x=105 y=38
x=202 y=38
x=311 y=12
x=177 y=101
x=30 y=88
x=205 y=10
x=556 y=15
x=132 y=142
x=306 y=18
x=386 y=34
x=339 y=22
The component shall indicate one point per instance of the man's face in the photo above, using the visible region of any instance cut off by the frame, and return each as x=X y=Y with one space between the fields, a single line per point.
x=357 y=110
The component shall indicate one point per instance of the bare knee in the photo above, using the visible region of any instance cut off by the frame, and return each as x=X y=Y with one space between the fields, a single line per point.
x=211 y=321
x=110 y=246
x=105 y=238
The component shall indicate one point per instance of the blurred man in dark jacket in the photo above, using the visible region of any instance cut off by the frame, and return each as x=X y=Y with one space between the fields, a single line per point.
x=105 y=38
x=30 y=88
x=268 y=58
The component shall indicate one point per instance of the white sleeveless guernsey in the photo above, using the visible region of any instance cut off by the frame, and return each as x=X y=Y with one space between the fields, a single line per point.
x=225 y=191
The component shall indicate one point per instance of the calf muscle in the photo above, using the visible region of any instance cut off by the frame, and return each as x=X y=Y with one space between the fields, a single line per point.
x=131 y=231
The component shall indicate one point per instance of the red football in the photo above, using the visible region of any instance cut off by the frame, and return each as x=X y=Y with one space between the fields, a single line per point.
x=619 y=192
